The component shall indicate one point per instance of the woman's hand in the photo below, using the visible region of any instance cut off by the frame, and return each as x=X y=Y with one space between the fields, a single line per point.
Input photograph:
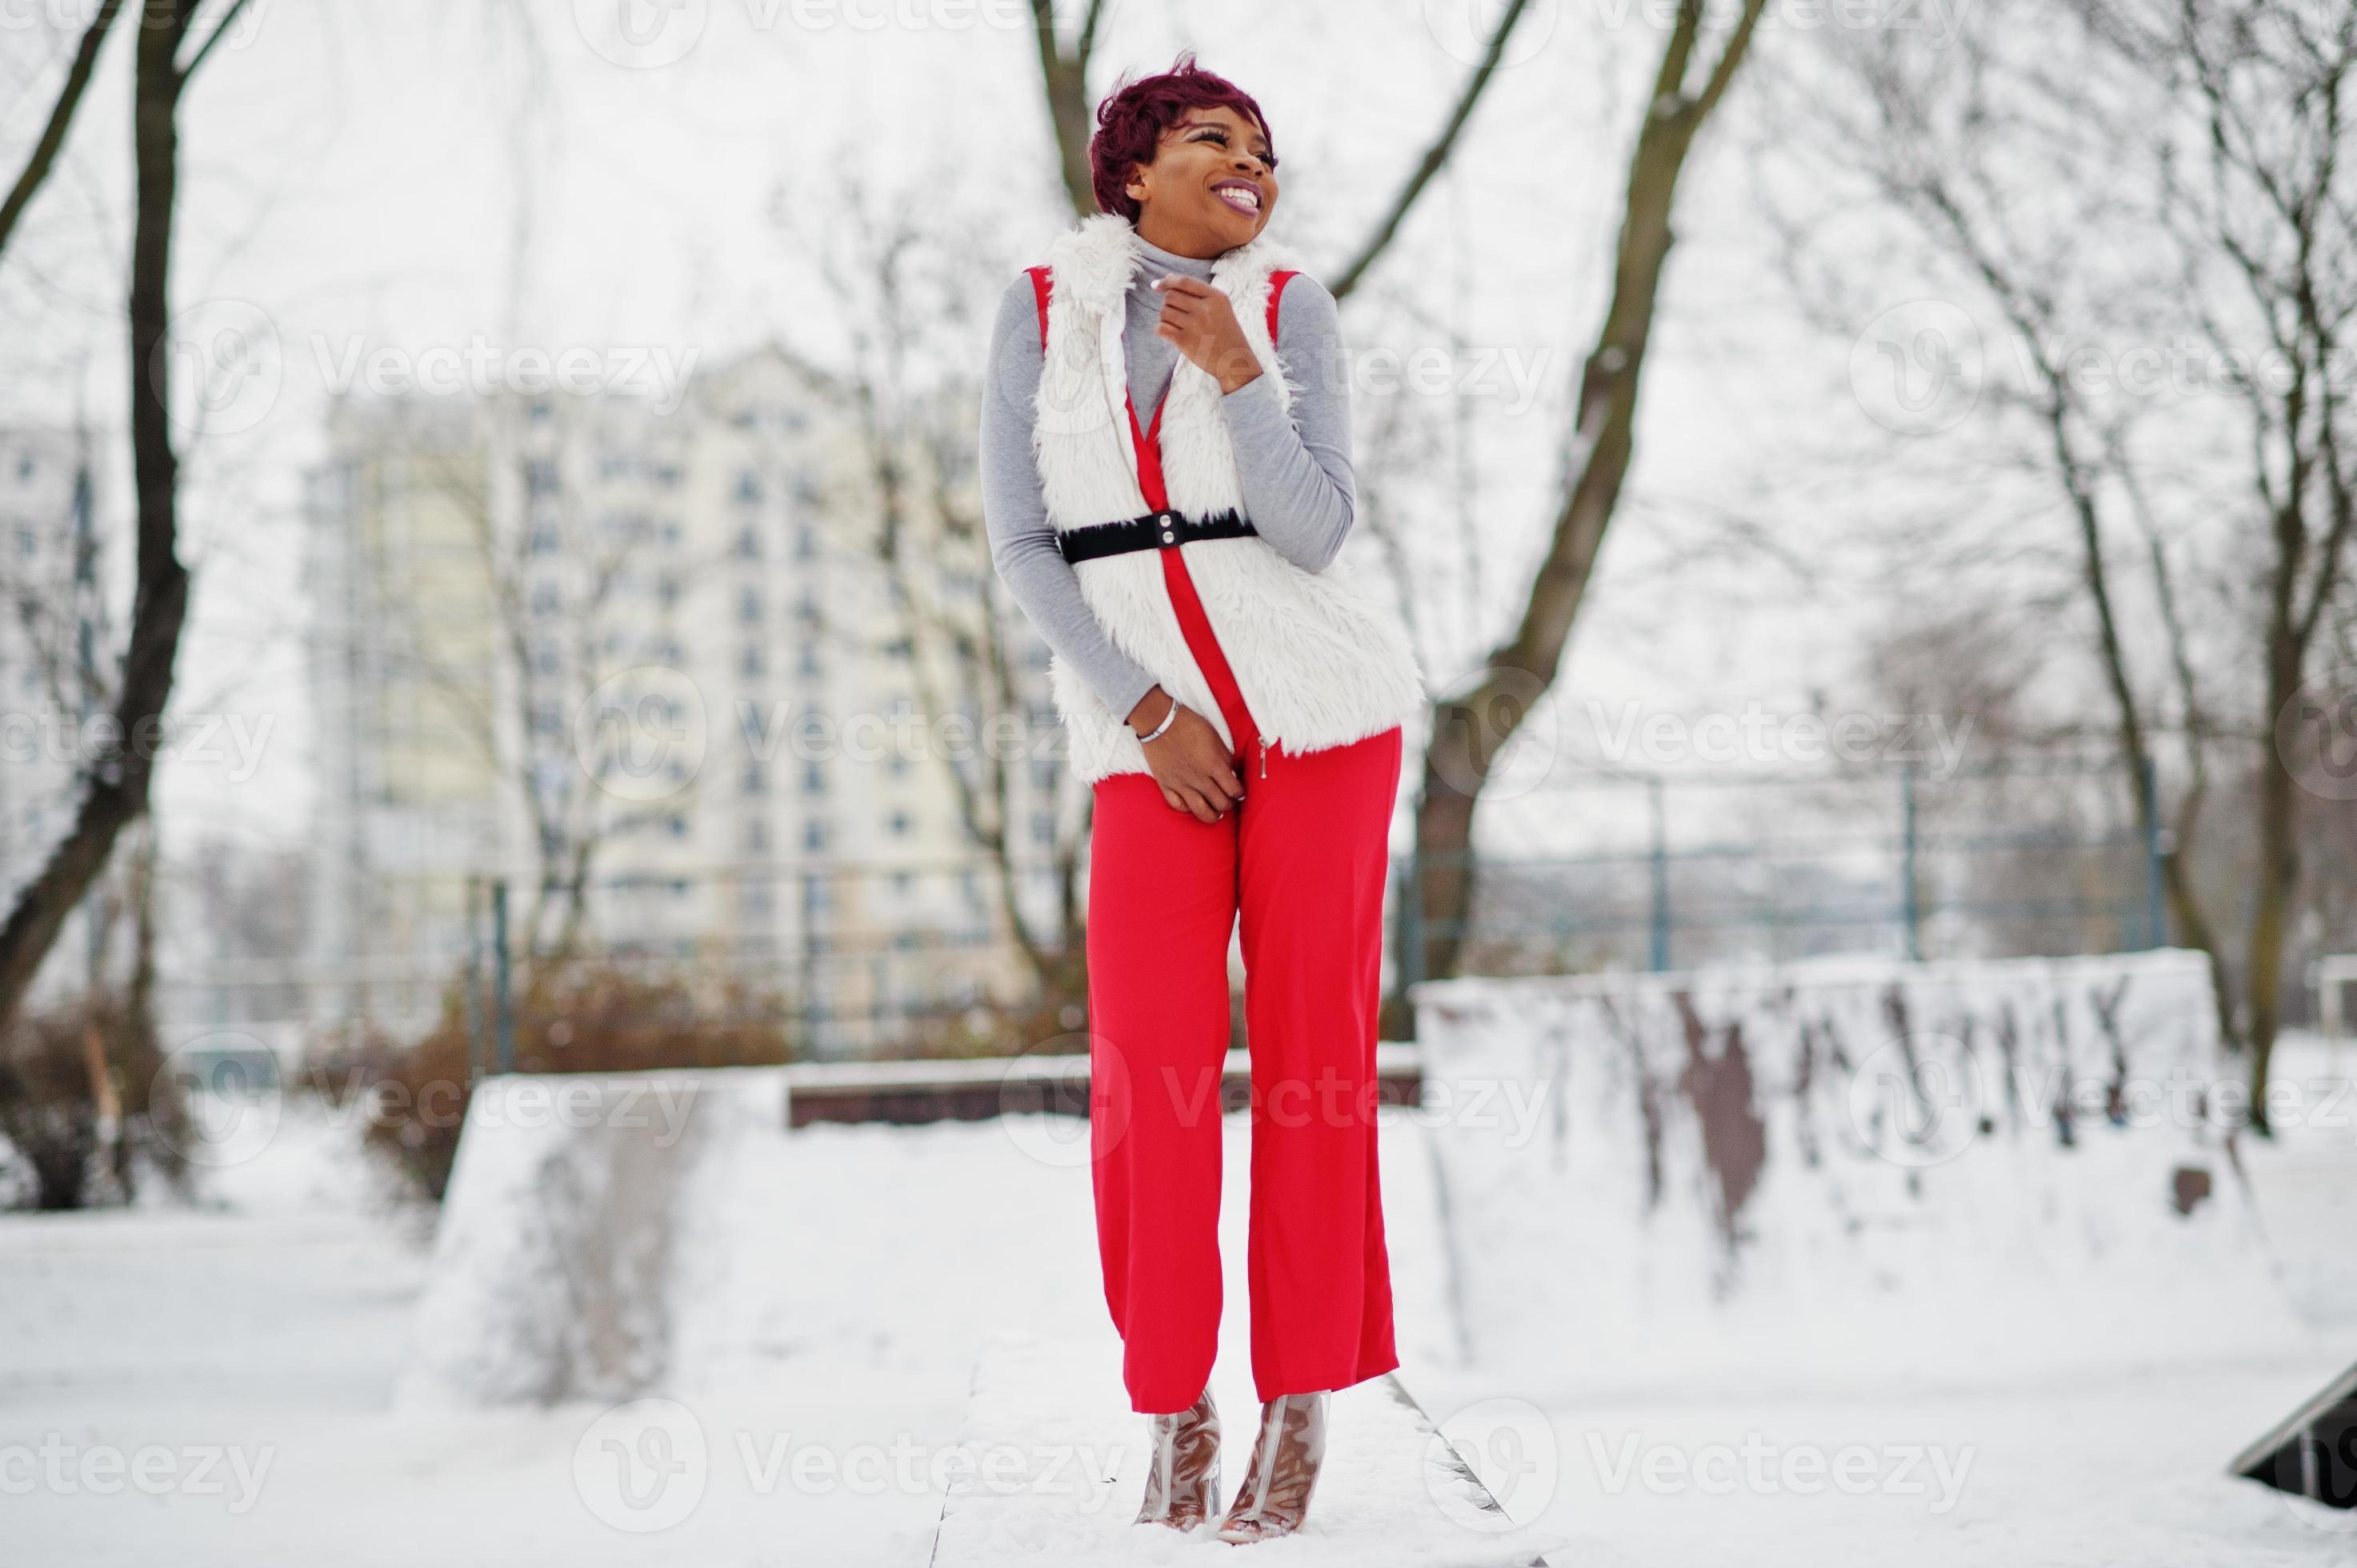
x=1202 y=322
x=1193 y=765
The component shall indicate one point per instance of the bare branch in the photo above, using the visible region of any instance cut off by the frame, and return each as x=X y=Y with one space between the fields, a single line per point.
x=61 y=113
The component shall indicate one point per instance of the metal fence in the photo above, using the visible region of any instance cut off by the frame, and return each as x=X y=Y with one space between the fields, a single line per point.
x=1658 y=870
x=1584 y=871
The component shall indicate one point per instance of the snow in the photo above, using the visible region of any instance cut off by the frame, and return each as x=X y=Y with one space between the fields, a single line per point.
x=2084 y=1402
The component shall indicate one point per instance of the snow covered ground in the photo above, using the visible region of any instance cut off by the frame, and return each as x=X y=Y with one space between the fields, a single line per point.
x=217 y=1385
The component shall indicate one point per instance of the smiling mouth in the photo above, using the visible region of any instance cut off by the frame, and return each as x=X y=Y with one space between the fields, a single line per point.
x=1239 y=194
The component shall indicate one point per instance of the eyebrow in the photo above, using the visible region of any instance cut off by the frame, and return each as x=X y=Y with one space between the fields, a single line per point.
x=1215 y=125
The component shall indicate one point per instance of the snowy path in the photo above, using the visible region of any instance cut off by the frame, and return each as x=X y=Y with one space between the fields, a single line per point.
x=1060 y=1460
x=831 y=1386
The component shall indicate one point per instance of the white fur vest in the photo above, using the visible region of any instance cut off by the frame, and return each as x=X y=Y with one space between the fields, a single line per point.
x=1319 y=658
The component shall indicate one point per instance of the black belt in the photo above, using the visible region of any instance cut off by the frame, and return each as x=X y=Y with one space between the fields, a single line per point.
x=1154 y=531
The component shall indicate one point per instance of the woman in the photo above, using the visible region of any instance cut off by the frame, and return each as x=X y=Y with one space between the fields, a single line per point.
x=1167 y=480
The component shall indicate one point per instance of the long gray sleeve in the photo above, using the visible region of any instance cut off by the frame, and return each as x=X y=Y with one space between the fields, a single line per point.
x=1014 y=512
x=1299 y=489
x=1295 y=473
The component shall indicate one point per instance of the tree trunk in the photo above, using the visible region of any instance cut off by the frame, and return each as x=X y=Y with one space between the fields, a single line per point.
x=116 y=791
x=1468 y=731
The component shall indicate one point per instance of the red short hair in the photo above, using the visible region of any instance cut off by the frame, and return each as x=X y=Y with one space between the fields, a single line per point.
x=1134 y=116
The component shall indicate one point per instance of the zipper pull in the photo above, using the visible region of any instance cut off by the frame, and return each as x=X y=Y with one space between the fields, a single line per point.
x=1263 y=757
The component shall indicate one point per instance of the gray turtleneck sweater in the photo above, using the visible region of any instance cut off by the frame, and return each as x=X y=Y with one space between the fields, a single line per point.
x=1296 y=472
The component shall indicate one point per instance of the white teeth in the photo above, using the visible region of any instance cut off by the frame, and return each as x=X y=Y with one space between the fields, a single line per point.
x=1240 y=196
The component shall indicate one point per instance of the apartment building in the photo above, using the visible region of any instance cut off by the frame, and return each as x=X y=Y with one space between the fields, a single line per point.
x=558 y=632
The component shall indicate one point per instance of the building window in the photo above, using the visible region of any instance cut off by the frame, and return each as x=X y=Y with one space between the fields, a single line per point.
x=540 y=476
x=1043 y=828
x=748 y=544
x=748 y=486
x=814 y=778
x=756 y=782
x=900 y=824
x=808 y=664
x=748 y=605
x=814 y=833
x=750 y=666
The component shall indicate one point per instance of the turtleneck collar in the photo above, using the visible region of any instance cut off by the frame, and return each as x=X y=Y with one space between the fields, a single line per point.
x=1160 y=261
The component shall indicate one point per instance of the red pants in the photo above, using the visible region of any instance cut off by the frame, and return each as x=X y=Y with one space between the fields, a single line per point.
x=1301 y=859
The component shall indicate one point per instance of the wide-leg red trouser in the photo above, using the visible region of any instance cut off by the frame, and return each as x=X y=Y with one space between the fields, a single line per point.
x=1301 y=861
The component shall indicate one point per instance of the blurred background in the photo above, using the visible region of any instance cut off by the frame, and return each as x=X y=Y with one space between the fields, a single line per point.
x=495 y=587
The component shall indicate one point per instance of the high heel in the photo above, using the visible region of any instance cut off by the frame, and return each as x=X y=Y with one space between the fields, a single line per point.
x=1274 y=1496
x=1183 y=1472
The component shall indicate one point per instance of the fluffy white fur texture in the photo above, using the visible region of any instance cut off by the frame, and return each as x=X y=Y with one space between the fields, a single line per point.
x=1319 y=658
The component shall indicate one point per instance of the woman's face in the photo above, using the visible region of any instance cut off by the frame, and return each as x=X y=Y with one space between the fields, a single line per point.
x=1210 y=183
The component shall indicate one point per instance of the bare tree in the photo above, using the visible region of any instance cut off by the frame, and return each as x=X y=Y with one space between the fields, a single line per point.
x=116 y=791
x=44 y=156
x=1470 y=727
x=2204 y=140
x=1063 y=73
x=901 y=276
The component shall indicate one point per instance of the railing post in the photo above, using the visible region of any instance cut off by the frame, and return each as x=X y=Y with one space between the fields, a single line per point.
x=477 y=1048
x=1910 y=897
x=1658 y=957
x=2156 y=932
x=502 y=996
x=1411 y=897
